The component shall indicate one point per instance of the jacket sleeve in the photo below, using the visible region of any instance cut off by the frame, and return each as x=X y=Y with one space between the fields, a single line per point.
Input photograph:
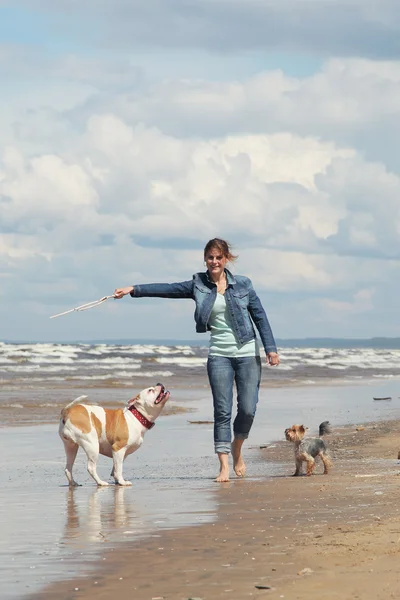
x=259 y=316
x=182 y=289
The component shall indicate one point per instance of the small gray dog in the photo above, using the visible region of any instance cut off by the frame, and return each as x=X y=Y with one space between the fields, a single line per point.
x=307 y=450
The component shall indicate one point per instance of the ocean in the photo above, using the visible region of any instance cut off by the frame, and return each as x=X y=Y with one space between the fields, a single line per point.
x=37 y=378
x=115 y=364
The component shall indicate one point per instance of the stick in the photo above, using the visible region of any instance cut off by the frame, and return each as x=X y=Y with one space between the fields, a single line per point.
x=83 y=306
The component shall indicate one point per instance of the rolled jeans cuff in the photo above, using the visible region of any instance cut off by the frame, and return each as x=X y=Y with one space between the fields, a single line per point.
x=222 y=448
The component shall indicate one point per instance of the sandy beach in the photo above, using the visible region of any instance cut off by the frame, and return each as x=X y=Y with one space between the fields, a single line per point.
x=283 y=537
x=298 y=538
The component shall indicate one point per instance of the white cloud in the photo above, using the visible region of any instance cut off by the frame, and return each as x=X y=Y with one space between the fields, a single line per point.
x=41 y=193
x=127 y=204
x=355 y=103
x=141 y=182
x=370 y=196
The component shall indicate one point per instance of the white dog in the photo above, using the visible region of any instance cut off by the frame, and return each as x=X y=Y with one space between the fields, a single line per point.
x=111 y=432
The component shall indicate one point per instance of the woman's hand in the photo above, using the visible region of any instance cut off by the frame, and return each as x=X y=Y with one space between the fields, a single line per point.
x=121 y=292
x=273 y=359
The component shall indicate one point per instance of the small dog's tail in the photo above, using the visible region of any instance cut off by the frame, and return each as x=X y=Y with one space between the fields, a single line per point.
x=325 y=428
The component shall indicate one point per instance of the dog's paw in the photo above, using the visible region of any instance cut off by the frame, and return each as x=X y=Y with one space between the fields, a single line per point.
x=124 y=482
x=103 y=483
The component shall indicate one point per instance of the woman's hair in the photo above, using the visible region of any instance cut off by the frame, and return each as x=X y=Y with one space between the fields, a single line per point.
x=221 y=245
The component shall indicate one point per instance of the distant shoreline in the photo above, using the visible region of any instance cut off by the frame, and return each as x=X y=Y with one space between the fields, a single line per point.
x=323 y=342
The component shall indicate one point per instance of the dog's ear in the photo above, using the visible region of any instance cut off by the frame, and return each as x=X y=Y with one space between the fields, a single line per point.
x=303 y=429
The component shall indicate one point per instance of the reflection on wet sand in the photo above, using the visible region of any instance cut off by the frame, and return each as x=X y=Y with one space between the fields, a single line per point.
x=97 y=518
x=50 y=532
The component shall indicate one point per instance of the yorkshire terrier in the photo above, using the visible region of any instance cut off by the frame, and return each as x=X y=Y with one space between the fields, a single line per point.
x=307 y=450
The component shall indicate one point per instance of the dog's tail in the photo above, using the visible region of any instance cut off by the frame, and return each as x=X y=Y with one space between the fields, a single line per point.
x=79 y=399
x=325 y=428
x=64 y=410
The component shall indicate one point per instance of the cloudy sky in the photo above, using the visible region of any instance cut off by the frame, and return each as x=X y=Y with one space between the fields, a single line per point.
x=132 y=132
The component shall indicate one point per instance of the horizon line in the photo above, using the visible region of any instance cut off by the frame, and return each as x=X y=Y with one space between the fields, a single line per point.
x=160 y=339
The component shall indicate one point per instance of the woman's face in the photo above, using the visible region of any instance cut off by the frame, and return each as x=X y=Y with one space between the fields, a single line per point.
x=215 y=262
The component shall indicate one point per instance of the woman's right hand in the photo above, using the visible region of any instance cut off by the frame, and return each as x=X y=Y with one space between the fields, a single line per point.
x=121 y=292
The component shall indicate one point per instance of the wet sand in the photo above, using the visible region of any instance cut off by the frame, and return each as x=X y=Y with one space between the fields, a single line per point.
x=335 y=536
x=49 y=532
x=175 y=533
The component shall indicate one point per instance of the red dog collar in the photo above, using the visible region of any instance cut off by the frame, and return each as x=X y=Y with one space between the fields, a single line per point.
x=141 y=418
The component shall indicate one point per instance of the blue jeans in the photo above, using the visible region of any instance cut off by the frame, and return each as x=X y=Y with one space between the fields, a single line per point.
x=222 y=372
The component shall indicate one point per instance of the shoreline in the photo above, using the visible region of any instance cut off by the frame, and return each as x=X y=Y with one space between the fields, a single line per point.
x=39 y=407
x=8 y=413
x=294 y=536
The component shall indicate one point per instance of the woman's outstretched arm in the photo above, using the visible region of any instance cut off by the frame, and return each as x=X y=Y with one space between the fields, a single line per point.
x=181 y=289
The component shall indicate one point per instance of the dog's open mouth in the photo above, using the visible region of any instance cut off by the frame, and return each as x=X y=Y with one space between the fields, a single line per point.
x=163 y=395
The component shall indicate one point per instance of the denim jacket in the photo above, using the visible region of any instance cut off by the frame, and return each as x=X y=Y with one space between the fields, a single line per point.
x=244 y=305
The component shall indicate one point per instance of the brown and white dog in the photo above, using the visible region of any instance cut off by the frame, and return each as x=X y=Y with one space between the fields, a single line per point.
x=112 y=432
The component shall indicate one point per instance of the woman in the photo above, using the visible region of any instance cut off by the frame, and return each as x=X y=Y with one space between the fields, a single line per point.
x=228 y=307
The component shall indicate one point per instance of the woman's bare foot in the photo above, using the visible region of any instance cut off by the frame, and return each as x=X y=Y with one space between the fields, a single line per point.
x=224 y=468
x=239 y=465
